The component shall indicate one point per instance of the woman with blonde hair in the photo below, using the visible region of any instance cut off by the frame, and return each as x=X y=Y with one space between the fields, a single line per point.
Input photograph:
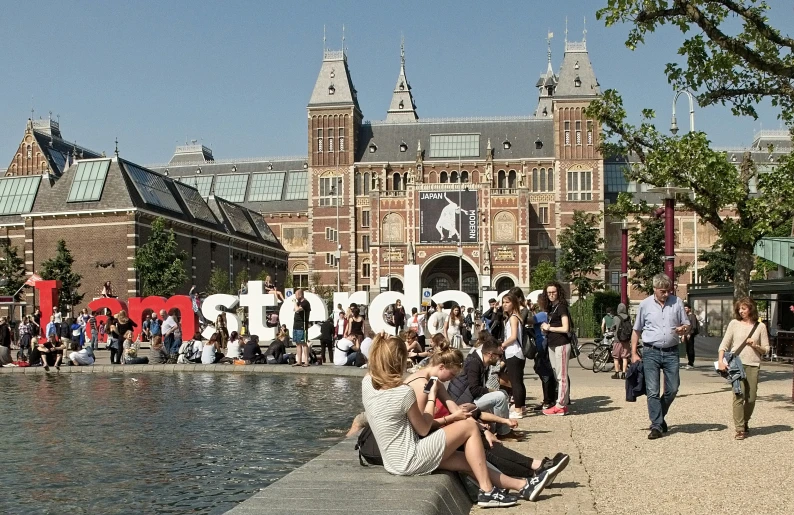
x=402 y=427
x=745 y=337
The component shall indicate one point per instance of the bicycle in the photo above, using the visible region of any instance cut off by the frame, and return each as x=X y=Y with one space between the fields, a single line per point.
x=585 y=357
x=602 y=355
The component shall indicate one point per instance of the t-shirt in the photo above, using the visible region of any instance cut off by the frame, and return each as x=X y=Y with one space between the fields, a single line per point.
x=555 y=320
x=154 y=326
x=168 y=325
x=436 y=323
x=341 y=351
x=208 y=354
x=608 y=322
x=302 y=317
x=233 y=349
x=365 y=347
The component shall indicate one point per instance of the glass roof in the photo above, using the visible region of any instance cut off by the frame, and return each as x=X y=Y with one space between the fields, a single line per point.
x=238 y=219
x=88 y=181
x=152 y=188
x=195 y=203
x=231 y=187
x=455 y=145
x=203 y=183
x=297 y=186
x=266 y=186
x=264 y=229
x=59 y=158
x=17 y=194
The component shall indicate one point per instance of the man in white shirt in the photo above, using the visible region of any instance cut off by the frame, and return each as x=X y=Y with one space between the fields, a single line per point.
x=167 y=330
x=345 y=351
x=365 y=347
x=417 y=323
x=435 y=324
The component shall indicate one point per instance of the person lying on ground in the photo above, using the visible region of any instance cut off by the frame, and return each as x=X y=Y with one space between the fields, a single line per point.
x=83 y=357
x=401 y=422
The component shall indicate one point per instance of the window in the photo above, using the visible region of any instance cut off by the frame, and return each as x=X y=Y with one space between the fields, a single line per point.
x=357 y=185
x=589 y=132
x=578 y=132
x=300 y=276
x=511 y=179
x=614 y=280
x=455 y=145
x=464 y=176
x=296 y=186
x=365 y=218
x=365 y=242
x=319 y=140
x=341 y=139
x=367 y=183
x=203 y=183
x=580 y=185
x=365 y=269
x=543 y=214
x=17 y=194
x=567 y=133
x=453 y=176
x=443 y=177
x=266 y=186
x=544 y=241
x=501 y=179
x=330 y=191
x=330 y=259
x=550 y=179
x=152 y=188
x=331 y=234
x=195 y=203
x=330 y=144
x=89 y=179
x=236 y=215
x=542 y=179
x=231 y=187
x=396 y=182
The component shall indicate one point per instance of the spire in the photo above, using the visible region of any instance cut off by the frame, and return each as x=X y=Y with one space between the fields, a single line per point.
x=334 y=87
x=547 y=83
x=116 y=152
x=566 y=30
x=584 y=30
x=325 y=46
x=576 y=77
x=402 y=107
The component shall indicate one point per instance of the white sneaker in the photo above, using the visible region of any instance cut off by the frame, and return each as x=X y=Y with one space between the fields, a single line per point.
x=516 y=415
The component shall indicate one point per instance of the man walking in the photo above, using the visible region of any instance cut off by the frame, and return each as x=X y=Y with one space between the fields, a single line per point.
x=660 y=321
x=689 y=337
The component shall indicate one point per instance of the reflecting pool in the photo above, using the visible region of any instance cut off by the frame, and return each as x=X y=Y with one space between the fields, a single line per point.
x=161 y=443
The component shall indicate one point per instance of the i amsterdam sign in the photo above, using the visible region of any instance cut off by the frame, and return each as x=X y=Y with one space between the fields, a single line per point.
x=256 y=301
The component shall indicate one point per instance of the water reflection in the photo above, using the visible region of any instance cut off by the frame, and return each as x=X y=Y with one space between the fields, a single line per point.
x=165 y=443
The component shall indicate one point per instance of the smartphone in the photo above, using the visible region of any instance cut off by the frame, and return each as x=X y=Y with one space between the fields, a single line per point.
x=429 y=384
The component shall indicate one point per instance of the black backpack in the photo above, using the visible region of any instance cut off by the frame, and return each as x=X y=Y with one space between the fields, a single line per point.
x=625 y=327
x=367 y=447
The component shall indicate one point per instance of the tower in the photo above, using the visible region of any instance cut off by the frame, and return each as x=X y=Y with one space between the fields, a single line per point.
x=402 y=107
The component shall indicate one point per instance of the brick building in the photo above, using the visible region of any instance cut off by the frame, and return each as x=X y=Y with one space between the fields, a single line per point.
x=103 y=208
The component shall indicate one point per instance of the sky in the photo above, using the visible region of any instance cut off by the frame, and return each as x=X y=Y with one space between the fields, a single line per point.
x=236 y=75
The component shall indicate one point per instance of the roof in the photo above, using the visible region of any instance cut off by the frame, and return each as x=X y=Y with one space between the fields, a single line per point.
x=192 y=154
x=576 y=65
x=520 y=132
x=402 y=107
x=59 y=152
x=334 y=87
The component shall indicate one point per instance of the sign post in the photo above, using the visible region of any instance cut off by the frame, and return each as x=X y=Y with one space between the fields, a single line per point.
x=426 y=294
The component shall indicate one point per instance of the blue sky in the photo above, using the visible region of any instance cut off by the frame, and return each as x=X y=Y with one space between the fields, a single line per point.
x=237 y=75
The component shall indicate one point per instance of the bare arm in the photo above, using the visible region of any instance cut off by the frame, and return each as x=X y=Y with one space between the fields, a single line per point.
x=635 y=339
x=421 y=419
x=513 y=332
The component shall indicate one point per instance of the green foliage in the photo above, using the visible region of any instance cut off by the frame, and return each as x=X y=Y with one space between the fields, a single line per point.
x=582 y=252
x=219 y=282
x=288 y=281
x=646 y=253
x=59 y=268
x=241 y=278
x=720 y=264
x=159 y=262
x=542 y=274
x=733 y=56
x=12 y=269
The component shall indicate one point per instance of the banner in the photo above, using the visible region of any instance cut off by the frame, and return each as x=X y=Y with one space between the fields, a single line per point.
x=448 y=216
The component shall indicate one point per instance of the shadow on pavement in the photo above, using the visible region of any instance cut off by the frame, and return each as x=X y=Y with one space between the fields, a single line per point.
x=595 y=404
x=726 y=389
x=773 y=375
x=567 y=484
x=784 y=400
x=769 y=430
x=697 y=428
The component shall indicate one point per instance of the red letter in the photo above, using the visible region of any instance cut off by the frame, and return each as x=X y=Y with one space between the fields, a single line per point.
x=48 y=299
x=114 y=305
x=138 y=307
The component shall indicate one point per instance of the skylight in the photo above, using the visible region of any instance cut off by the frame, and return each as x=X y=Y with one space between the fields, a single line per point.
x=266 y=186
x=89 y=180
x=297 y=187
x=17 y=194
x=152 y=188
x=231 y=187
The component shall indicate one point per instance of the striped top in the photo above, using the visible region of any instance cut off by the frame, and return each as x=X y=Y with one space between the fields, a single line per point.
x=403 y=452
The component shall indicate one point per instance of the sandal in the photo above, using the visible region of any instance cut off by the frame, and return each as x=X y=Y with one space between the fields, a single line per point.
x=740 y=435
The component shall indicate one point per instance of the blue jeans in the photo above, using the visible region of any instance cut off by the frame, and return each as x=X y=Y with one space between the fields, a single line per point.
x=497 y=404
x=654 y=360
x=351 y=359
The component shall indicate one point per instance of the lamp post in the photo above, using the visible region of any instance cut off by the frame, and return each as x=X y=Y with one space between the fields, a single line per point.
x=674 y=130
x=624 y=261
x=338 y=254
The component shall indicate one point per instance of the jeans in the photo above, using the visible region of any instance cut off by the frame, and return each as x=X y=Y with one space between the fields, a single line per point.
x=168 y=342
x=496 y=403
x=515 y=371
x=545 y=372
x=653 y=361
x=351 y=359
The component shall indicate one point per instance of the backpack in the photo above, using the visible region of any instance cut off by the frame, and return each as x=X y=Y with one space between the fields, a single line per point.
x=625 y=327
x=367 y=447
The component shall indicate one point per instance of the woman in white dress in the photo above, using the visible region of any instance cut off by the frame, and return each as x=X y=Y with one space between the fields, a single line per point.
x=402 y=428
x=453 y=326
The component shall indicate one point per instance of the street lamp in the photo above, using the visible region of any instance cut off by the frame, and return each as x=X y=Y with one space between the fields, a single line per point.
x=336 y=190
x=674 y=130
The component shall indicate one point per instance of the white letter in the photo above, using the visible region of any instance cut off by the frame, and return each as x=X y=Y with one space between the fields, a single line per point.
x=318 y=313
x=256 y=300
x=210 y=311
x=378 y=306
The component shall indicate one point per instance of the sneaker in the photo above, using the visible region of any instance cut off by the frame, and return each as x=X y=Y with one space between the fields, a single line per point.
x=538 y=407
x=556 y=411
x=534 y=486
x=516 y=415
x=554 y=465
x=688 y=367
x=496 y=498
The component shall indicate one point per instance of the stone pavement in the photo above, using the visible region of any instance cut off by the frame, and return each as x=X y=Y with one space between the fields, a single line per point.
x=697 y=468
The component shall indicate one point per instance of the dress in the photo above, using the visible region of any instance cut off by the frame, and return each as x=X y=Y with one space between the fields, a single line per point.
x=403 y=452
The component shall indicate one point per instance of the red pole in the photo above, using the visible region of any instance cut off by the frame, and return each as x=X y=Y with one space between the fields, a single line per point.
x=624 y=266
x=669 y=238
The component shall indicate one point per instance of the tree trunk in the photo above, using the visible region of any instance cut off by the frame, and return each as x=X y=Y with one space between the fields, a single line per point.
x=741 y=277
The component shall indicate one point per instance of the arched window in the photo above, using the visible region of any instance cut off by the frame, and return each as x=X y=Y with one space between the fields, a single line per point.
x=550 y=180
x=470 y=285
x=453 y=176
x=396 y=181
x=439 y=283
x=501 y=180
x=431 y=177
x=542 y=179
x=367 y=183
x=464 y=176
x=505 y=283
x=511 y=179
x=358 y=185
x=442 y=178
x=405 y=181
x=535 y=179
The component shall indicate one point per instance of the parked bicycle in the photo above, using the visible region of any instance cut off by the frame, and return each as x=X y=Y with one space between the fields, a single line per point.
x=585 y=357
x=602 y=355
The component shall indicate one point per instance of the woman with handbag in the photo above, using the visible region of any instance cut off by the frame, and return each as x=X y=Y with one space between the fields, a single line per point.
x=747 y=339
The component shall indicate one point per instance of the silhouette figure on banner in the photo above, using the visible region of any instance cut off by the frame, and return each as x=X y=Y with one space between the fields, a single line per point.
x=447 y=220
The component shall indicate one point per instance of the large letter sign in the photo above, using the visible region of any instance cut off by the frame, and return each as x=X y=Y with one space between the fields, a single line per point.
x=256 y=300
x=210 y=311
x=319 y=313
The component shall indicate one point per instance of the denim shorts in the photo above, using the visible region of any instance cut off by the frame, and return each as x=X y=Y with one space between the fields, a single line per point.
x=298 y=336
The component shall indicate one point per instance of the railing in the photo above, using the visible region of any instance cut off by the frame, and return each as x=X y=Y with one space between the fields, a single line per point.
x=229 y=161
x=504 y=192
x=397 y=193
x=471 y=119
x=448 y=186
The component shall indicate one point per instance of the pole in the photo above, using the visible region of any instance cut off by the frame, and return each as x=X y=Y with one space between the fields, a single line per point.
x=624 y=264
x=696 y=247
x=674 y=130
x=338 y=241
x=669 y=237
x=460 y=226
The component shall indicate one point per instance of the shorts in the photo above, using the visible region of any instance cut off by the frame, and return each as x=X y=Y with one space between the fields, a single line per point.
x=621 y=350
x=299 y=336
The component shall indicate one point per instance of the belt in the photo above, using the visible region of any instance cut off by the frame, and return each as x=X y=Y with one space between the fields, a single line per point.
x=649 y=346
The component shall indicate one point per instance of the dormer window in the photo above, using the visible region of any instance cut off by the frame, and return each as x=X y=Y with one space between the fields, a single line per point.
x=403 y=147
x=538 y=144
x=576 y=65
x=402 y=86
x=577 y=82
x=545 y=112
x=331 y=89
x=372 y=148
x=401 y=105
x=506 y=144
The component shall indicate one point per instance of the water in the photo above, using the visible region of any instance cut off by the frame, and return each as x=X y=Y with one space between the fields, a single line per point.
x=166 y=443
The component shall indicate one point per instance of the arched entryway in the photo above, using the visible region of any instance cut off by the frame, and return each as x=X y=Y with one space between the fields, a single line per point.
x=442 y=273
x=504 y=283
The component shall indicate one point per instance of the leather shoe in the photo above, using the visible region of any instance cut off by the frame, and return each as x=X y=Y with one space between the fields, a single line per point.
x=664 y=427
x=654 y=434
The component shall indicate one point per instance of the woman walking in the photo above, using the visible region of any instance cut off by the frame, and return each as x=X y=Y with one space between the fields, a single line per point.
x=556 y=330
x=514 y=355
x=745 y=337
x=398 y=314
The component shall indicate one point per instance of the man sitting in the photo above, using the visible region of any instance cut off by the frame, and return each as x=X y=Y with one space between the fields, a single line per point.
x=346 y=351
x=251 y=350
x=470 y=385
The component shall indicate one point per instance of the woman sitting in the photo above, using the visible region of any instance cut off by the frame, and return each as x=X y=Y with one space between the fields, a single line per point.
x=270 y=287
x=402 y=421
x=211 y=353
x=157 y=353
x=233 y=347
x=130 y=354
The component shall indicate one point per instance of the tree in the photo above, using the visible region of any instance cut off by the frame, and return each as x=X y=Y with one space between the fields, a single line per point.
x=753 y=64
x=720 y=264
x=12 y=269
x=646 y=253
x=542 y=274
x=581 y=248
x=59 y=268
x=219 y=282
x=241 y=278
x=160 y=263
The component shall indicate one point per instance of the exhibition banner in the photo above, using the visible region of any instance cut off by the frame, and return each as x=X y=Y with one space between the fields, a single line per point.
x=448 y=216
